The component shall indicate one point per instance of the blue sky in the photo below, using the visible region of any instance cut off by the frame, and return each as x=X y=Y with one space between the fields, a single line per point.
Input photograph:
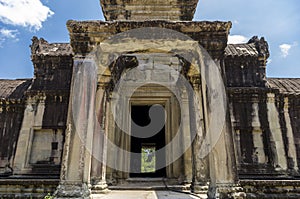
x=276 y=20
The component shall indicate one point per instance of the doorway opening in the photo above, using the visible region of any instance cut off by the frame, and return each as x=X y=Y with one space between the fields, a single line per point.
x=147 y=161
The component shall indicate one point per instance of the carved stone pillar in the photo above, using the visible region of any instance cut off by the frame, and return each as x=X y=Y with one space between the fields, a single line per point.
x=218 y=140
x=276 y=139
x=185 y=127
x=98 y=171
x=292 y=154
x=76 y=163
x=200 y=164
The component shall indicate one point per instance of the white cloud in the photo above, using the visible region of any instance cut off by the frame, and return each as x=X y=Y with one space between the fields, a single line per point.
x=11 y=34
x=285 y=49
x=236 y=22
x=8 y=34
x=237 y=39
x=26 y=13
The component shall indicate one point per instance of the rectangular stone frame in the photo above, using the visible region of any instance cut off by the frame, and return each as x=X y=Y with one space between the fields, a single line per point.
x=150 y=95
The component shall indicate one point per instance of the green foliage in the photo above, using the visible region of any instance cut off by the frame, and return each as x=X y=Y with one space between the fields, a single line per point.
x=148 y=160
x=48 y=196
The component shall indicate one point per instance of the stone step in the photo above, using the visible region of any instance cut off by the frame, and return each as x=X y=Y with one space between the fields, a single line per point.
x=150 y=187
x=150 y=184
x=144 y=194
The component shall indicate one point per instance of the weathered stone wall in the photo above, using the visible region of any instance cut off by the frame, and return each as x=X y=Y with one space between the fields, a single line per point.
x=175 y=10
x=51 y=73
x=264 y=114
x=11 y=115
x=260 y=113
x=251 y=131
x=265 y=124
x=245 y=64
x=27 y=188
x=294 y=113
x=244 y=72
x=41 y=139
x=11 y=118
x=265 y=120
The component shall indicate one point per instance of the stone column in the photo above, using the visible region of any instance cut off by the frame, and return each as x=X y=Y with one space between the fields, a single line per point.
x=200 y=164
x=292 y=152
x=98 y=172
x=219 y=139
x=259 y=154
x=185 y=127
x=118 y=147
x=76 y=163
x=276 y=139
x=123 y=139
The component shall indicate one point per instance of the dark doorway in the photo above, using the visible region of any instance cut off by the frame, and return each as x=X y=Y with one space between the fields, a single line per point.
x=146 y=161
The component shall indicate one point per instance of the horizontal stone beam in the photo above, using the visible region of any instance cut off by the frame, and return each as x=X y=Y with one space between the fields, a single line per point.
x=85 y=35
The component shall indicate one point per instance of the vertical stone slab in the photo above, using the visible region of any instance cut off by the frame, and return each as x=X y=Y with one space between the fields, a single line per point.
x=259 y=154
x=110 y=130
x=276 y=135
x=33 y=116
x=291 y=143
x=99 y=147
x=222 y=162
x=200 y=165
x=187 y=156
x=76 y=164
x=236 y=135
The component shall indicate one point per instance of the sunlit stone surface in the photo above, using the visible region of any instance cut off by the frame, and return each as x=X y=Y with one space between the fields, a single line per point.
x=68 y=131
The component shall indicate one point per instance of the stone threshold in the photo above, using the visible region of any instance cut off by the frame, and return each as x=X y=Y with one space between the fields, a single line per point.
x=150 y=184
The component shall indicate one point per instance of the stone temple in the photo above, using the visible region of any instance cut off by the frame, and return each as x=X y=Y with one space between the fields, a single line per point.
x=83 y=124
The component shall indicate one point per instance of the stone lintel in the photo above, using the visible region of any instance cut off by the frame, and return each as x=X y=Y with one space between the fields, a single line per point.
x=246 y=94
x=85 y=35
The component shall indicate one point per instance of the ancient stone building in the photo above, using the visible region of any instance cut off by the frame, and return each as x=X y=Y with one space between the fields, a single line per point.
x=78 y=127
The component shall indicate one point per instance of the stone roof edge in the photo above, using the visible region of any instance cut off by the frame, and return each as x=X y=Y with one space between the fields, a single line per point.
x=261 y=45
x=41 y=43
x=286 y=86
x=284 y=78
x=16 y=88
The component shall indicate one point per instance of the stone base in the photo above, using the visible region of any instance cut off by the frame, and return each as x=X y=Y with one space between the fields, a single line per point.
x=264 y=189
x=100 y=188
x=221 y=191
x=226 y=191
x=27 y=188
x=199 y=189
x=72 y=190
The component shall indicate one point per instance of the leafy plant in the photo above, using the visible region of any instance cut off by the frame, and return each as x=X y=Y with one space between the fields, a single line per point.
x=48 y=196
x=148 y=159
